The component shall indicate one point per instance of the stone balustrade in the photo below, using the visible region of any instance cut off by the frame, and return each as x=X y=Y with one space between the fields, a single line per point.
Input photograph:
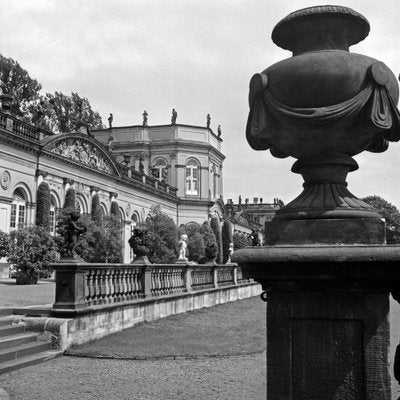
x=21 y=128
x=80 y=286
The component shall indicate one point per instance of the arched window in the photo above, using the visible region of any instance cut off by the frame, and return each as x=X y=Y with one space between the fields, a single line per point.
x=18 y=209
x=192 y=178
x=52 y=219
x=159 y=170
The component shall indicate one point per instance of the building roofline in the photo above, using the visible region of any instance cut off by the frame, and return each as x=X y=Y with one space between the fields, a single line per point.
x=158 y=126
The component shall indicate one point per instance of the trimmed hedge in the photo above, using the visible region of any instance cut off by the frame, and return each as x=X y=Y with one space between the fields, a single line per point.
x=43 y=203
x=216 y=227
x=70 y=199
x=96 y=210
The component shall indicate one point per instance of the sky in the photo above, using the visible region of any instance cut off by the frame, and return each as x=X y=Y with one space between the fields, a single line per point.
x=196 y=56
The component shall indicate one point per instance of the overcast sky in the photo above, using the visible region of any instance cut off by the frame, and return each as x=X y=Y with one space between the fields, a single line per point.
x=197 y=56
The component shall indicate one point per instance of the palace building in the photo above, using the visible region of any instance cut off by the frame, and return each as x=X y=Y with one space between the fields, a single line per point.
x=178 y=167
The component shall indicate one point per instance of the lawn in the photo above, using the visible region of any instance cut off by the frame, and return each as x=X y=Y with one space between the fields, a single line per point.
x=233 y=328
x=12 y=295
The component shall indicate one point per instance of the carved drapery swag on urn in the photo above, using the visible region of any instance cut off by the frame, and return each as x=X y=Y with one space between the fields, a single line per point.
x=322 y=106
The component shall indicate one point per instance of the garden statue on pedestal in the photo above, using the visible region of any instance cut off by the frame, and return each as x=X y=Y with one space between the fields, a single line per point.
x=138 y=245
x=230 y=252
x=183 y=248
x=71 y=234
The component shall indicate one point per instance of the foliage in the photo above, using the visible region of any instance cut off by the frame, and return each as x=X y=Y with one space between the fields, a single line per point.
x=100 y=243
x=43 y=203
x=391 y=215
x=196 y=247
x=227 y=238
x=31 y=252
x=210 y=242
x=96 y=214
x=216 y=227
x=161 y=237
x=62 y=113
x=4 y=244
x=70 y=199
x=15 y=81
x=241 y=240
x=114 y=209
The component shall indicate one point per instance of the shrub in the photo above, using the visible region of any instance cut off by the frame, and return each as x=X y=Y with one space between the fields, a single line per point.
x=216 y=227
x=43 y=203
x=241 y=240
x=31 y=252
x=4 y=244
x=196 y=247
x=210 y=242
x=227 y=238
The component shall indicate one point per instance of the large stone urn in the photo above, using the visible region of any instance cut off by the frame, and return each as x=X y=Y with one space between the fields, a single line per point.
x=326 y=271
x=322 y=106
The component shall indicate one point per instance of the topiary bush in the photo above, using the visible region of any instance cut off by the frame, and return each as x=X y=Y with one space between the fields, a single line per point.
x=96 y=210
x=43 y=203
x=114 y=209
x=216 y=227
x=70 y=199
x=227 y=238
x=196 y=247
x=210 y=243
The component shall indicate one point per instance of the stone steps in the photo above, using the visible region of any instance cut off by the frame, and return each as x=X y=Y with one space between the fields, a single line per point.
x=18 y=348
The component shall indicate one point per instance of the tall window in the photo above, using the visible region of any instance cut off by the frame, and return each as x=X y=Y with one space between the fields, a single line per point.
x=192 y=178
x=18 y=210
x=160 y=170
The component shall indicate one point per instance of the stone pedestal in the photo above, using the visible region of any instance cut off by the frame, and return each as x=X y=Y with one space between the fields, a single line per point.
x=327 y=318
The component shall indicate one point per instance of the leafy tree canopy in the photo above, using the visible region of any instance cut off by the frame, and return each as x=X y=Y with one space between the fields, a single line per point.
x=55 y=112
x=391 y=215
x=62 y=113
x=15 y=81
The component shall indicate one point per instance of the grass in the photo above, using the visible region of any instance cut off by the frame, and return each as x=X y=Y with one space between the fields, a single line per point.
x=12 y=295
x=229 y=329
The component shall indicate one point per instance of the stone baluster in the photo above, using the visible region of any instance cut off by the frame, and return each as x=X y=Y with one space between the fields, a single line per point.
x=108 y=285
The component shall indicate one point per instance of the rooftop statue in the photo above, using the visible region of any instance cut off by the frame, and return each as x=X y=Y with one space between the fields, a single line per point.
x=323 y=106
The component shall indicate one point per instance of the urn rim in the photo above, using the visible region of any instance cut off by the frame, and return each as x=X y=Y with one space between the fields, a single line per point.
x=289 y=29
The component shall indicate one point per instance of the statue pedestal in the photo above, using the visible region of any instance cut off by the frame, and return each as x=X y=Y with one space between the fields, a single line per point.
x=327 y=318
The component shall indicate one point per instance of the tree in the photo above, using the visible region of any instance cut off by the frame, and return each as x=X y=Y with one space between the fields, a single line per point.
x=61 y=113
x=16 y=82
x=227 y=239
x=210 y=242
x=241 y=240
x=43 y=203
x=163 y=237
x=391 y=215
x=32 y=251
x=101 y=243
